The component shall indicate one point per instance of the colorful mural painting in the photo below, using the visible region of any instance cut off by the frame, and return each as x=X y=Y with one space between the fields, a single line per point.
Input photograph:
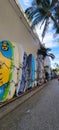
x=7 y=70
x=18 y=71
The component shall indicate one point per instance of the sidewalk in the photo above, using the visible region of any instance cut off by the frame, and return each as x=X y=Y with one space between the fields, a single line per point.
x=10 y=106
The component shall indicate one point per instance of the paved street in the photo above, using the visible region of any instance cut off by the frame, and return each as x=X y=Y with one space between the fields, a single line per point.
x=40 y=112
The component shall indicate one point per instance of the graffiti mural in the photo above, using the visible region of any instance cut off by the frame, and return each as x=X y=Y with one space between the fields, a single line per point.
x=7 y=70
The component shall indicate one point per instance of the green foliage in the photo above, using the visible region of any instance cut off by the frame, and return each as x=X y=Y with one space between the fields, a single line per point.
x=45 y=52
x=42 y=11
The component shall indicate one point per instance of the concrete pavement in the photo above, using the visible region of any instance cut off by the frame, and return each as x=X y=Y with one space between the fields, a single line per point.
x=40 y=112
x=13 y=104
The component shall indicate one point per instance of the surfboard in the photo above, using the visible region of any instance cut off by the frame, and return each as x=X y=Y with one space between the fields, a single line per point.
x=15 y=73
x=22 y=83
x=33 y=71
x=30 y=72
x=6 y=61
x=19 y=89
x=8 y=70
x=39 y=71
x=35 y=81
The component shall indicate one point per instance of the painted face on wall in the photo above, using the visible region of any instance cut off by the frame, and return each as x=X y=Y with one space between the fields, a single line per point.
x=5 y=63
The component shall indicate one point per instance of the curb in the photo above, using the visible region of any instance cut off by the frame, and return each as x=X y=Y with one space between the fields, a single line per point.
x=13 y=105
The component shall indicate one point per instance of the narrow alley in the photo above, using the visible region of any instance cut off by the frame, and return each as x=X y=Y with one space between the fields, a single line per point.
x=40 y=112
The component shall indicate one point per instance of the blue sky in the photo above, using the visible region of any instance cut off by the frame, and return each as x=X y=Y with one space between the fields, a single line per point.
x=25 y=3
x=48 y=39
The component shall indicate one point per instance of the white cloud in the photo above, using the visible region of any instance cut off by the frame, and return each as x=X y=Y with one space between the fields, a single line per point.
x=27 y=2
x=56 y=60
x=48 y=39
x=53 y=65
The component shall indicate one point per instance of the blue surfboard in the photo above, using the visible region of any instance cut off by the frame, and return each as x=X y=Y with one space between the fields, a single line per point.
x=35 y=82
x=30 y=72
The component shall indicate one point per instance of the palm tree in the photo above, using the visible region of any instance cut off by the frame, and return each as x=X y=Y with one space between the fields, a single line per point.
x=45 y=52
x=43 y=11
x=57 y=17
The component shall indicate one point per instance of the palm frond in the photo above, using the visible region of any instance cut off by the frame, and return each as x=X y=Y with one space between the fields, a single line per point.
x=43 y=50
x=36 y=21
x=52 y=56
x=38 y=2
x=42 y=22
x=41 y=11
x=57 y=12
x=56 y=29
x=45 y=28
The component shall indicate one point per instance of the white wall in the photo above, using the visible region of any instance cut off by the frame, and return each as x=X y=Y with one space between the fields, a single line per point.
x=13 y=28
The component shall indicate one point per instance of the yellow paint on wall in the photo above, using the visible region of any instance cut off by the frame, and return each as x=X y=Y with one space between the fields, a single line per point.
x=5 y=65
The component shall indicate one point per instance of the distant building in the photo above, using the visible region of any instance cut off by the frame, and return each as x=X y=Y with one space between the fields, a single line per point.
x=47 y=66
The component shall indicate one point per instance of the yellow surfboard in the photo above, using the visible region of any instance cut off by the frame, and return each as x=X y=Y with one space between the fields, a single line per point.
x=9 y=65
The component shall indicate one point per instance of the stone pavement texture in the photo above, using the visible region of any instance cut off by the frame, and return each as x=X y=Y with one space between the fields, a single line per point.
x=14 y=103
x=40 y=112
